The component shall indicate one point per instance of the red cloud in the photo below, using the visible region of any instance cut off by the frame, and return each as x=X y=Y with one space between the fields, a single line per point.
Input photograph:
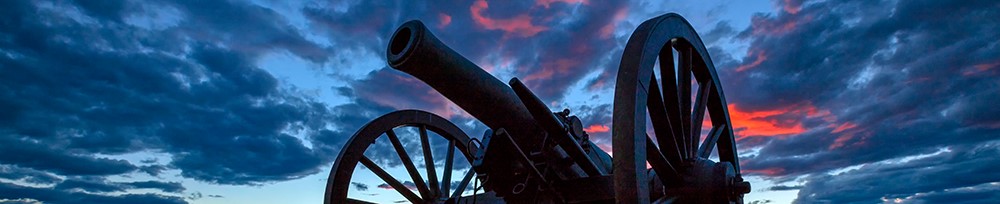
x=756 y=123
x=520 y=25
x=748 y=123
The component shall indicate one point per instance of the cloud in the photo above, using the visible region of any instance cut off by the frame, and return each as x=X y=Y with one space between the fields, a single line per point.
x=408 y=184
x=10 y=191
x=91 y=84
x=170 y=187
x=783 y=188
x=520 y=25
x=823 y=86
x=35 y=155
x=360 y=186
x=872 y=82
x=912 y=180
x=27 y=175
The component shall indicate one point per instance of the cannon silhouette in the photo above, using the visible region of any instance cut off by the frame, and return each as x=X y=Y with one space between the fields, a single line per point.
x=533 y=155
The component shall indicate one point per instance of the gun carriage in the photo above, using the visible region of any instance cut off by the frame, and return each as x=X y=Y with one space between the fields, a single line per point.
x=533 y=155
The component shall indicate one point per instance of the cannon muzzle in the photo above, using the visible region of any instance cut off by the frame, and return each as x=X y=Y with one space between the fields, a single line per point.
x=414 y=50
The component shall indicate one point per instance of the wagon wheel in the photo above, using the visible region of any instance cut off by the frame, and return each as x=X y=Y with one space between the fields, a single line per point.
x=436 y=192
x=679 y=156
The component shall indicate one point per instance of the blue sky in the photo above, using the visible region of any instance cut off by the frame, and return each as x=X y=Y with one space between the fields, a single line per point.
x=250 y=101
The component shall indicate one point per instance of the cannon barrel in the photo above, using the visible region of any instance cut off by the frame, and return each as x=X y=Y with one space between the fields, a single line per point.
x=414 y=50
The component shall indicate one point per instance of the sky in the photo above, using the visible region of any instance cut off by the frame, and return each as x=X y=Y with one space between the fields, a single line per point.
x=853 y=101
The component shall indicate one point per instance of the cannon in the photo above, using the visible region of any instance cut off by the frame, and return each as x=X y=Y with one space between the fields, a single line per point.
x=533 y=155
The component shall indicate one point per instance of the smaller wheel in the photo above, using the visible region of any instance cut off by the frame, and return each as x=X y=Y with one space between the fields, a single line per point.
x=431 y=191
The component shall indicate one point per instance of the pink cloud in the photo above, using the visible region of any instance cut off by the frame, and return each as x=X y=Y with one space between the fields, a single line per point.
x=445 y=20
x=520 y=26
x=780 y=26
x=792 y=6
x=980 y=68
x=609 y=29
x=551 y=68
x=845 y=126
x=759 y=56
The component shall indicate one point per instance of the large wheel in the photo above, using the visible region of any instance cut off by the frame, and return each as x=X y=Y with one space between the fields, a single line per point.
x=677 y=152
x=437 y=191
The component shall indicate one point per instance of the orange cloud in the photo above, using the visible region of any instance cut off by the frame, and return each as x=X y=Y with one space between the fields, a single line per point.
x=597 y=128
x=546 y=3
x=445 y=20
x=520 y=25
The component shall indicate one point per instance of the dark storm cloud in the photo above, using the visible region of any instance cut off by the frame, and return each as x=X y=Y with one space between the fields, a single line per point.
x=78 y=80
x=784 y=188
x=958 y=172
x=170 y=187
x=50 y=195
x=35 y=155
x=721 y=30
x=896 y=78
x=556 y=45
x=27 y=175
x=103 y=186
x=245 y=27
x=92 y=185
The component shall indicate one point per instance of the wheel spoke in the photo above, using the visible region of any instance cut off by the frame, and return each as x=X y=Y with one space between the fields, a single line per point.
x=713 y=136
x=727 y=149
x=461 y=185
x=704 y=88
x=429 y=161
x=448 y=167
x=395 y=184
x=664 y=169
x=684 y=91
x=668 y=78
x=669 y=145
x=408 y=163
